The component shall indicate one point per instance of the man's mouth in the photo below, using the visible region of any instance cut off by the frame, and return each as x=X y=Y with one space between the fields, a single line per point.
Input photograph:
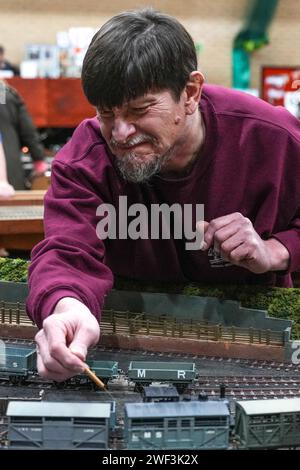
x=130 y=147
x=131 y=144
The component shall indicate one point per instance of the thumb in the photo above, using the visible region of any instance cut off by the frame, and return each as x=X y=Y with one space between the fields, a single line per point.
x=86 y=335
x=79 y=346
x=201 y=227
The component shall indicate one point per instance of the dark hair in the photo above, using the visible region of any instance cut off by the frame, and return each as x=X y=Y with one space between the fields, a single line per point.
x=2 y=50
x=135 y=52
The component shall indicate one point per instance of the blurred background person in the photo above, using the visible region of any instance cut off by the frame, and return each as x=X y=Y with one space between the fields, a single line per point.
x=5 y=65
x=6 y=189
x=18 y=130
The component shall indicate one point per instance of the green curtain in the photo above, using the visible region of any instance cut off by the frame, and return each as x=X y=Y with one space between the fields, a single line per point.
x=253 y=36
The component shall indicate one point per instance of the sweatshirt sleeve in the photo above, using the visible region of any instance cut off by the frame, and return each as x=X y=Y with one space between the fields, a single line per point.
x=69 y=262
x=291 y=240
x=288 y=208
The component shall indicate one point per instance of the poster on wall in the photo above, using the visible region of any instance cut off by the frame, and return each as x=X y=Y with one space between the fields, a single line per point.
x=281 y=87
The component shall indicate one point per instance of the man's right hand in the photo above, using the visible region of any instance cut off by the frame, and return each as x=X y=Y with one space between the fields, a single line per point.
x=63 y=342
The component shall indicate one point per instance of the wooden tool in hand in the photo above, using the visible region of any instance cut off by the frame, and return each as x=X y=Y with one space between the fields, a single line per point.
x=94 y=378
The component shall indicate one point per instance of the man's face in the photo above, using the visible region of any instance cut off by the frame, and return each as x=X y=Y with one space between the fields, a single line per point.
x=143 y=133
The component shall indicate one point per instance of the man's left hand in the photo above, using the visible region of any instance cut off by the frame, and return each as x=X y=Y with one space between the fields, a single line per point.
x=234 y=238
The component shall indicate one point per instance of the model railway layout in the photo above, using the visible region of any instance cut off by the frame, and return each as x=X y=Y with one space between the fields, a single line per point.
x=181 y=372
x=148 y=406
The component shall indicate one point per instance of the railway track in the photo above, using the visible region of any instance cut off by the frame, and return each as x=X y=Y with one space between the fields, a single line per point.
x=28 y=385
x=241 y=388
x=255 y=394
x=249 y=381
x=252 y=364
x=249 y=387
x=237 y=386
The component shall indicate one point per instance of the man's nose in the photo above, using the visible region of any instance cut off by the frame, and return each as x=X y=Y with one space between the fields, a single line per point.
x=122 y=130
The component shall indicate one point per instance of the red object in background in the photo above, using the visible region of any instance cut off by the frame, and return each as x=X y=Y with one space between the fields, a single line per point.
x=34 y=93
x=54 y=102
x=277 y=81
x=67 y=105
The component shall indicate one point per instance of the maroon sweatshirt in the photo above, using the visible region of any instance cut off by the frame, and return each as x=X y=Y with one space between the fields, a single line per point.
x=250 y=163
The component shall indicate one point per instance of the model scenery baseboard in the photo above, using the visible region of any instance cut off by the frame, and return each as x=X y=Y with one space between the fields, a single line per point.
x=169 y=322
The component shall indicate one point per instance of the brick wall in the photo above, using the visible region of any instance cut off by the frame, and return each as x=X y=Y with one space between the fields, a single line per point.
x=214 y=23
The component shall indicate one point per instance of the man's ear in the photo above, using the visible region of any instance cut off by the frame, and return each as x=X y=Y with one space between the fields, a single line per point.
x=193 y=90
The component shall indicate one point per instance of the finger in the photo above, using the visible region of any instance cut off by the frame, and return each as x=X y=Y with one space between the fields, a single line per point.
x=210 y=231
x=230 y=244
x=44 y=373
x=79 y=349
x=41 y=343
x=50 y=375
x=241 y=254
x=66 y=358
x=56 y=340
x=223 y=238
x=83 y=339
x=53 y=366
x=201 y=227
x=218 y=224
x=48 y=366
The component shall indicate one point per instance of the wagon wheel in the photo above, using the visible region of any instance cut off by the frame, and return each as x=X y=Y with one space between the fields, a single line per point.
x=77 y=380
x=181 y=388
x=139 y=386
x=23 y=380
x=60 y=385
x=15 y=379
x=95 y=387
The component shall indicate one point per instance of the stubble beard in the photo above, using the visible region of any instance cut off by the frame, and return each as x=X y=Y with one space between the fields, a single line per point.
x=135 y=169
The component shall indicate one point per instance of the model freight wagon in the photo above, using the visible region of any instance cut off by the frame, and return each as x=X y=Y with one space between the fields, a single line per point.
x=180 y=374
x=264 y=424
x=160 y=394
x=17 y=362
x=260 y=424
x=181 y=425
x=58 y=425
x=105 y=370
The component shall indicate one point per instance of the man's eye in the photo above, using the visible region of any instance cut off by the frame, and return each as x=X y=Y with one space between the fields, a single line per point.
x=105 y=114
x=140 y=110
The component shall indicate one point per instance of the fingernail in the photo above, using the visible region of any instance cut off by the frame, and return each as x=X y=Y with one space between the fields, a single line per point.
x=78 y=351
x=79 y=369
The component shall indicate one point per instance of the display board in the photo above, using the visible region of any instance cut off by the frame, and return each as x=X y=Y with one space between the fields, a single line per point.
x=281 y=87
